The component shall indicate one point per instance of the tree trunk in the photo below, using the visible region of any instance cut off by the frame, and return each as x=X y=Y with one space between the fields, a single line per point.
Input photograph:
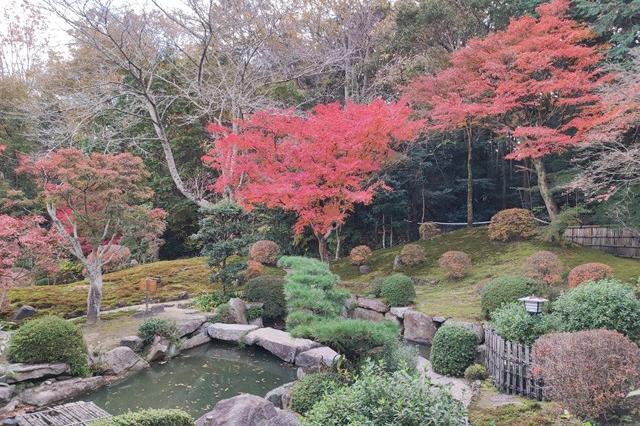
x=469 y=178
x=545 y=191
x=94 y=298
x=323 y=248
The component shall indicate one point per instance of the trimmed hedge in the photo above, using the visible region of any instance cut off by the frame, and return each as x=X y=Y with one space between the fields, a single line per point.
x=593 y=271
x=267 y=289
x=412 y=255
x=398 y=290
x=50 y=339
x=453 y=350
x=503 y=290
x=311 y=389
x=512 y=224
x=513 y=322
x=149 y=417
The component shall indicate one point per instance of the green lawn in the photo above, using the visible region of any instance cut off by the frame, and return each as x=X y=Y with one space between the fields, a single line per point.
x=460 y=299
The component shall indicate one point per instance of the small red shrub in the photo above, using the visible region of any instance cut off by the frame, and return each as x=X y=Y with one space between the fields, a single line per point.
x=265 y=252
x=455 y=263
x=544 y=266
x=512 y=224
x=411 y=255
x=589 y=272
x=589 y=372
x=359 y=255
x=254 y=269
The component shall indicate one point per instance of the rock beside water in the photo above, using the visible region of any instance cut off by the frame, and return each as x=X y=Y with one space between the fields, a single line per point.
x=247 y=410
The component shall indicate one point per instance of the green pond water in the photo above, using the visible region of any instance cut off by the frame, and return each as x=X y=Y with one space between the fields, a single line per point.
x=196 y=380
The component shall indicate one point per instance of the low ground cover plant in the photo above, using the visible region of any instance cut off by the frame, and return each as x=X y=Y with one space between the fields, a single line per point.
x=153 y=327
x=269 y=290
x=151 y=417
x=453 y=350
x=456 y=264
x=475 y=372
x=512 y=224
x=50 y=339
x=398 y=290
x=593 y=271
x=503 y=290
x=589 y=372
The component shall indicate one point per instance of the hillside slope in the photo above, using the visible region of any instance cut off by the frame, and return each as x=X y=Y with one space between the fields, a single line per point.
x=490 y=259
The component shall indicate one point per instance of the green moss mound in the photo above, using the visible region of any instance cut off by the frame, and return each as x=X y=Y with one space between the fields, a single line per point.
x=398 y=290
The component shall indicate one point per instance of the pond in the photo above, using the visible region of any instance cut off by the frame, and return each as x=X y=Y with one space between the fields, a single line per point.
x=196 y=380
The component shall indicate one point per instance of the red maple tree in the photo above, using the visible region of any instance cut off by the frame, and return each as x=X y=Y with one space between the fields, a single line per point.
x=94 y=202
x=318 y=165
x=536 y=81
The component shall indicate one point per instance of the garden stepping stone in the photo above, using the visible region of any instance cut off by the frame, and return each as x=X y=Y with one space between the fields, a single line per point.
x=22 y=372
x=418 y=327
x=315 y=358
x=459 y=387
x=229 y=332
x=372 y=304
x=280 y=343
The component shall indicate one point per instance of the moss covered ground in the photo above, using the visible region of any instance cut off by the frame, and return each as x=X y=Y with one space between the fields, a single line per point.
x=460 y=298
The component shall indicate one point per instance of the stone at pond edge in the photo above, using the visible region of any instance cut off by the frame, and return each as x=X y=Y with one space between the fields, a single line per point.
x=238 y=311
x=189 y=326
x=316 y=358
x=229 y=332
x=49 y=393
x=372 y=304
x=133 y=342
x=366 y=314
x=22 y=372
x=280 y=343
x=24 y=312
x=247 y=410
x=418 y=327
x=161 y=349
x=121 y=360
x=198 y=339
x=280 y=396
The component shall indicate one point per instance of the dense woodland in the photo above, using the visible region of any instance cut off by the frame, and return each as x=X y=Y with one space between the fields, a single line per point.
x=171 y=84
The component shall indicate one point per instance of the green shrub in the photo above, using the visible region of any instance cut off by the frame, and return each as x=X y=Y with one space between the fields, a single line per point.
x=50 y=339
x=269 y=290
x=453 y=350
x=376 y=397
x=206 y=302
x=254 y=312
x=311 y=389
x=231 y=276
x=475 y=372
x=398 y=356
x=398 y=290
x=223 y=314
x=376 y=286
x=352 y=338
x=503 y=290
x=605 y=304
x=513 y=322
x=298 y=318
x=153 y=327
x=149 y=418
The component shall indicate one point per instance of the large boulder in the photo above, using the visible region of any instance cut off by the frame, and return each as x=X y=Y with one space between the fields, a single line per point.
x=6 y=392
x=24 y=312
x=238 y=310
x=367 y=314
x=280 y=396
x=247 y=410
x=58 y=391
x=477 y=328
x=161 y=349
x=372 y=304
x=399 y=311
x=198 y=339
x=121 y=360
x=280 y=343
x=418 y=327
x=190 y=326
x=229 y=332
x=134 y=342
x=315 y=358
x=15 y=373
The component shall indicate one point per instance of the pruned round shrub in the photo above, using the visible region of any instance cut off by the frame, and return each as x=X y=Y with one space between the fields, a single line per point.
x=150 y=417
x=513 y=322
x=512 y=225
x=589 y=272
x=475 y=372
x=606 y=304
x=269 y=290
x=453 y=350
x=50 y=339
x=428 y=231
x=455 y=263
x=398 y=290
x=544 y=267
x=311 y=389
x=254 y=269
x=264 y=251
x=412 y=255
x=589 y=372
x=153 y=327
x=377 y=397
x=502 y=290
x=360 y=255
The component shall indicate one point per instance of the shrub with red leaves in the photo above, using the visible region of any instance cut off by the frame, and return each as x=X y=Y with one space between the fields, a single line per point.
x=411 y=255
x=512 y=224
x=589 y=272
x=254 y=269
x=544 y=266
x=265 y=252
x=455 y=263
x=589 y=372
x=359 y=255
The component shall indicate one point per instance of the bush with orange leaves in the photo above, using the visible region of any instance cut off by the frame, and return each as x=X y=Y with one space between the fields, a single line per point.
x=512 y=224
x=254 y=269
x=359 y=255
x=589 y=372
x=455 y=263
x=265 y=252
x=411 y=255
x=589 y=272
x=545 y=267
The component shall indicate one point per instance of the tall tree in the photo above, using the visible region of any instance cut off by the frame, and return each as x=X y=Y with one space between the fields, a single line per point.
x=95 y=202
x=318 y=166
